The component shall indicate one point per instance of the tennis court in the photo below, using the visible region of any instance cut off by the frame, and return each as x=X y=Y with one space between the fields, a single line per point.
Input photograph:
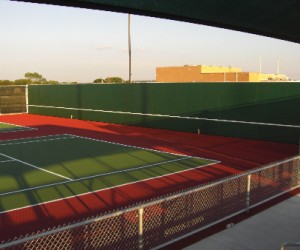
x=66 y=170
x=47 y=168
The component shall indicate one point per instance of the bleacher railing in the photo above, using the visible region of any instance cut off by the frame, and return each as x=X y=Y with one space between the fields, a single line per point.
x=168 y=219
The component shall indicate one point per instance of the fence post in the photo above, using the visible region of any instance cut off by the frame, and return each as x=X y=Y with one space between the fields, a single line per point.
x=0 y=100
x=26 y=97
x=248 y=192
x=141 y=236
x=298 y=176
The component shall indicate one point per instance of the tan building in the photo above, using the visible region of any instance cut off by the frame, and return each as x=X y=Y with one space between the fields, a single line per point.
x=202 y=73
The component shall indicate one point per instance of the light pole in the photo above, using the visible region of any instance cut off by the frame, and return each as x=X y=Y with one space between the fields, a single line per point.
x=129 y=48
x=260 y=68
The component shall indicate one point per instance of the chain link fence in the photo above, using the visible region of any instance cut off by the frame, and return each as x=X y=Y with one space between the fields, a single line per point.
x=13 y=99
x=160 y=222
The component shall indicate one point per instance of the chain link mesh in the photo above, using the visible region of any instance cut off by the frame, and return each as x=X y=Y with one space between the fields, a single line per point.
x=272 y=181
x=115 y=232
x=165 y=220
x=172 y=218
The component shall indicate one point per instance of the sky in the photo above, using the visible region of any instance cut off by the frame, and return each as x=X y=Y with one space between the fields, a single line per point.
x=79 y=45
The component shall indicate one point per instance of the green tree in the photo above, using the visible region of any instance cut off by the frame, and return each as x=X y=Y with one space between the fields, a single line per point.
x=114 y=79
x=22 y=82
x=6 y=82
x=52 y=82
x=35 y=78
x=99 y=80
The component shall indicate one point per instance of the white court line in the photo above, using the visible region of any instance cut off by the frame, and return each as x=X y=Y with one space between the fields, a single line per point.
x=171 y=116
x=33 y=166
x=15 y=130
x=36 y=187
x=25 y=142
x=36 y=137
x=95 y=191
x=132 y=169
x=103 y=174
x=7 y=161
x=70 y=136
x=93 y=176
x=146 y=149
x=117 y=171
x=19 y=128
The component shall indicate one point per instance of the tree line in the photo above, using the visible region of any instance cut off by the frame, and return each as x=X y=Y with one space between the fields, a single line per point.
x=36 y=78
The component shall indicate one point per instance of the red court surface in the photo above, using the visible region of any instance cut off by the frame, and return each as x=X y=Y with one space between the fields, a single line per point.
x=235 y=156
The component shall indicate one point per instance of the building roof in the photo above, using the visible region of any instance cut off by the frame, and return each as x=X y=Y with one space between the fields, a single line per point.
x=272 y=18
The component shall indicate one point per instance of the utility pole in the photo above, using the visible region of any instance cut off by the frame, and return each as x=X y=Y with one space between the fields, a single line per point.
x=260 y=65
x=129 y=48
x=260 y=68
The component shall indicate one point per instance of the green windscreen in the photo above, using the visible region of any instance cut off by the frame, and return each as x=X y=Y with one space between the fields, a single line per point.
x=264 y=111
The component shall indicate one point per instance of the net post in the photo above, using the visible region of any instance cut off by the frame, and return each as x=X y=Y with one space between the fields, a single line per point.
x=140 y=229
x=248 y=193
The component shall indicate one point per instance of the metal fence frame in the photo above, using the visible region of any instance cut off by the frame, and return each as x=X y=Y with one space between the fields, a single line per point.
x=290 y=244
x=165 y=220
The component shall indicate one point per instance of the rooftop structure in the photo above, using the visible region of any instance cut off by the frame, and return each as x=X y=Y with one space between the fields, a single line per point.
x=203 y=73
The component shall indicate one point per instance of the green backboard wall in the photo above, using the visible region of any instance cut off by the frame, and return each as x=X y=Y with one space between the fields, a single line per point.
x=264 y=111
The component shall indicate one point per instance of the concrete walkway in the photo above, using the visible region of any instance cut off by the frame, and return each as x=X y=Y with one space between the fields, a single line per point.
x=264 y=231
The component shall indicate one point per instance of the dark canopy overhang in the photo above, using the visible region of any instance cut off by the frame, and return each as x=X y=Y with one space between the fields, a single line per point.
x=273 y=18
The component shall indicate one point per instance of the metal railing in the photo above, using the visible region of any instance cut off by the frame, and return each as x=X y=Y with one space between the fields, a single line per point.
x=290 y=244
x=159 y=222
